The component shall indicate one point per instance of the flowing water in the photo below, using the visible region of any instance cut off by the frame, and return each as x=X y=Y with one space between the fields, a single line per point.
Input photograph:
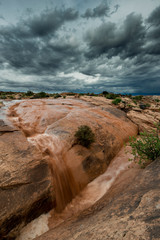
x=95 y=189
x=85 y=199
x=66 y=187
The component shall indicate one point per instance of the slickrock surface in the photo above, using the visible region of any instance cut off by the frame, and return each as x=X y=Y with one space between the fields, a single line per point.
x=25 y=178
x=24 y=182
x=144 y=118
x=63 y=117
x=130 y=210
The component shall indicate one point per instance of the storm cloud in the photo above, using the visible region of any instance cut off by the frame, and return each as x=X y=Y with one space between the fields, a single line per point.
x=32 y=46
x=102 y=46
x=126 y=40
x=101 y=10
x=49 y=21
x=153 y=34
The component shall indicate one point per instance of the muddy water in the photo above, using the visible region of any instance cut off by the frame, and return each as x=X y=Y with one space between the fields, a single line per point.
x=85 y=199
x=66 y=187
x=94 y=190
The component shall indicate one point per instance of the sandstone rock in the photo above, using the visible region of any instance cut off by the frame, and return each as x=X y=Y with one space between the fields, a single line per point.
x=144 y=119
x=24 y=182
x=130 y=210
x=63 y=117
x=24 y=172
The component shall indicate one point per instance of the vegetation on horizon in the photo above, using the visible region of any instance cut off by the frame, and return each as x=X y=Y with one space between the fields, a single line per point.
x=139 y=100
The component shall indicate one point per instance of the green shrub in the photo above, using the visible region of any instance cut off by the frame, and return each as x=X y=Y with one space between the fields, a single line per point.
x=64 y=96
x=105 y=92
x=41 y=95
x=11 y=97
x=57 y=95
x=135 y=102
x=84 y=136
x=116 y=101
x=92 y=94
x=147 y=147
x=144 y=106
x=3 y=97
x=111 y=96
x=137 y=98
x=29 y=93
x=148 y=105
x=156 y=100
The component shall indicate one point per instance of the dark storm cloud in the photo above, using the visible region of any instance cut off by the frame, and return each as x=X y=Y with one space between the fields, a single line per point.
x=49 y=21
x=27 y=46
x=32 y=56
x=99 y=11
x=125 y=40
x=154 y=18
x=113 y=57
x=45 y=84
x=153 y=33
x=146 y=80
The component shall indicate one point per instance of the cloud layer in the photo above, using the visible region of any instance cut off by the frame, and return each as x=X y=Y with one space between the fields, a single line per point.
x=67 y=49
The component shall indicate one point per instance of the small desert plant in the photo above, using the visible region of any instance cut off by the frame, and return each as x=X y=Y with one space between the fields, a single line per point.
x=3 y=97
x=144 y=106
x=11 y=97
x=111 y=96
x=56 y=95
x=84 y=136
x=137 y=98
x=105 y=92
x=41 y=95
x=116 y=101
x=146 y=148
x=135 y=102
x=29 y=93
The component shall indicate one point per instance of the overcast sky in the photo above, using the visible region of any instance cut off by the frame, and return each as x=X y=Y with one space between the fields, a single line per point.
x=80 y=45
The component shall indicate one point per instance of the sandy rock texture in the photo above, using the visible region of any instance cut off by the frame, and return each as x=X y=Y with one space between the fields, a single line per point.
x=143 y=118
x=25 y=177
x=24 y=182
x=130 y=210
x=63 y=117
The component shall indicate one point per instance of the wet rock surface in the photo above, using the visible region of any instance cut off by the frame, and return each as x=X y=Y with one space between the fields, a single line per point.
x=130 y=210
x=24 y=182
x=63 y=117
x=25 y=178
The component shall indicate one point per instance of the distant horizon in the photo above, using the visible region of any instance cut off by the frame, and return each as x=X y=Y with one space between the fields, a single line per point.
x=52 y=92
